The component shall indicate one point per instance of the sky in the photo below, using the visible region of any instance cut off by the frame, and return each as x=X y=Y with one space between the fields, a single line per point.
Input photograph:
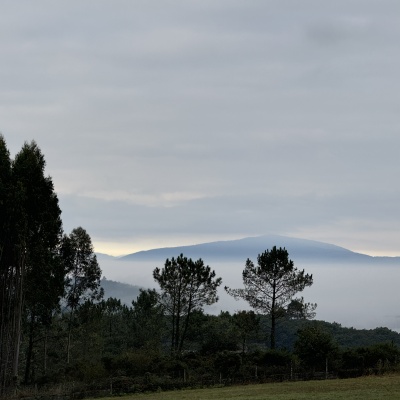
x=166 y=123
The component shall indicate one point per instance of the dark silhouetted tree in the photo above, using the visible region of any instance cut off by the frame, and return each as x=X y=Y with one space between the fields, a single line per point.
x=83 y=275
x=315 y=346
x=39 y=230
x=148 y=319
x=270 y=286
x=8 y=271
x=297 y=309
x=29 y=244
x=247 y=324
x=186 y=286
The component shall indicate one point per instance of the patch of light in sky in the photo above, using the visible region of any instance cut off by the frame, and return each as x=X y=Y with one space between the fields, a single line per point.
x=134 y=245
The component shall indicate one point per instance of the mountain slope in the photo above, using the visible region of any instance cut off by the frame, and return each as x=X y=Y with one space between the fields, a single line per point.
x=122 y=291
x=241 y=249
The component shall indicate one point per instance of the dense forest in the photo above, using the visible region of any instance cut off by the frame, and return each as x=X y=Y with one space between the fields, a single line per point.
x=58 y=327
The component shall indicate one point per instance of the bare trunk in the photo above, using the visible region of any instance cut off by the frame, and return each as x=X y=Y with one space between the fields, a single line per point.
x=45 y=353
x=273 y=327
x=18 y=317
x=68 y=345
x=273 y=316
x=29 y=352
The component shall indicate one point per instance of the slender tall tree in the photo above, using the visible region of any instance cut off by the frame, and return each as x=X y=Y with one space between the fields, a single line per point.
x=32 y=231
x=270 y=286
x=40 y=232
x=7 y=271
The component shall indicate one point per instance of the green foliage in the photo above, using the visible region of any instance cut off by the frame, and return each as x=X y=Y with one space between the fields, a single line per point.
x=373 y=359
x=219 y=334
x=247 y=325
x=315 y=346
x=115 y=326
x=148 y=319
x=227 y=363
x=132 y=363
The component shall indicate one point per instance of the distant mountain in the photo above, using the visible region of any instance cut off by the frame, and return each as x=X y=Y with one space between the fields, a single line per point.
x=355 y=289
x=241 y=249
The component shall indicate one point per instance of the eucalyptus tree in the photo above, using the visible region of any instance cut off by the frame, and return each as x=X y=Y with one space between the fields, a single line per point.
x=270 y=286
x=7 y=271
x=83 y=275
x=39 y=230
x=186 y=286
x=31 y=231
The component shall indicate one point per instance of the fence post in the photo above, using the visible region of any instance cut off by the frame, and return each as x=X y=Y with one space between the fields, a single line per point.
x=326 y=368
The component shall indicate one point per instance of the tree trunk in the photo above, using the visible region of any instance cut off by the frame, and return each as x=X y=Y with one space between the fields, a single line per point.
x=18 y=317
x=273 y=316
x=29 y=350
x=69 y=336
x=45 y=353
x=273 y=327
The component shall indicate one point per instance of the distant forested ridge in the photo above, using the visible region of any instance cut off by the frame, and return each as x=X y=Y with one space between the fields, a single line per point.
x=346 y=337
x=121 y=291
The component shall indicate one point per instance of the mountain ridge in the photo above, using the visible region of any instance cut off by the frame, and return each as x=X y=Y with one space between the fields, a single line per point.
x=250 y=247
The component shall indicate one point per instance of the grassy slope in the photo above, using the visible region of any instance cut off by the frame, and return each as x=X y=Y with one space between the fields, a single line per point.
x=367 y=388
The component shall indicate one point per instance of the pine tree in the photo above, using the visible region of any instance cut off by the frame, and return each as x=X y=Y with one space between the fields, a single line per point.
x=270 y=286
x=186 y=286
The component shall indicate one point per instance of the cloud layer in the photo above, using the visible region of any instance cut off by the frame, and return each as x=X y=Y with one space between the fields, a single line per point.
x=164 y=122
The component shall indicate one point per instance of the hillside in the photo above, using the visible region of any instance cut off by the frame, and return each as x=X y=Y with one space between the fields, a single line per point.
x=122 y=291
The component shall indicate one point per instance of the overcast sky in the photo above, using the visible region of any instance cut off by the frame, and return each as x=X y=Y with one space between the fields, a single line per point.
x=178 y=122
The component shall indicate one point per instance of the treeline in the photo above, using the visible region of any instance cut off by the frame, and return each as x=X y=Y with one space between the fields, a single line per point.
x=127 y=348
x=43 y=272
x=56 y=327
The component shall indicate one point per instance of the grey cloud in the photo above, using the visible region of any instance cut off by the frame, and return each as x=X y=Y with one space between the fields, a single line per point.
x=226 y=116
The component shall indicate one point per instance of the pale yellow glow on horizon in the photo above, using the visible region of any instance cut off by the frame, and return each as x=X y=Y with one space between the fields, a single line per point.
x=377 y=253
x=125 y=247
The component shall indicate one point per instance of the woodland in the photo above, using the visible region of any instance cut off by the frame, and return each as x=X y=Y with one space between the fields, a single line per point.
x=58 y=328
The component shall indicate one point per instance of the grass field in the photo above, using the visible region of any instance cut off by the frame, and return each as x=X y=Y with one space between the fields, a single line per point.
x=367 y=388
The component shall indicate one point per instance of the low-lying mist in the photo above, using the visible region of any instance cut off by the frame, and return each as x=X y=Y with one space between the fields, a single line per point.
x=358 y=296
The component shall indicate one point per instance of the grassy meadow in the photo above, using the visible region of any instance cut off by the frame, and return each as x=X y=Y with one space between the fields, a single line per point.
x=365 y=388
